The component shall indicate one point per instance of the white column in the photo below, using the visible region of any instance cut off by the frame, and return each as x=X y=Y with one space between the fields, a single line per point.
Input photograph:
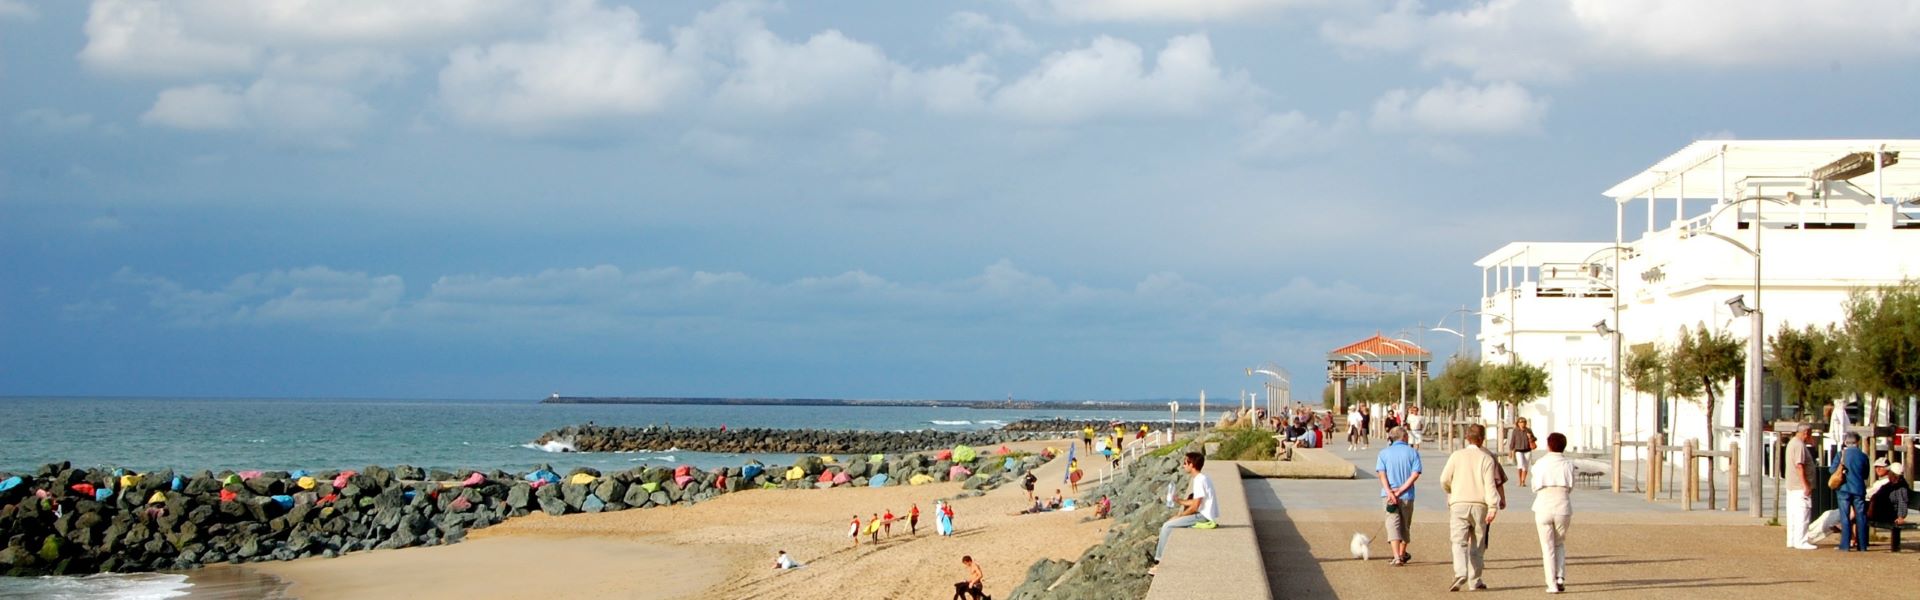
x=1650 y=206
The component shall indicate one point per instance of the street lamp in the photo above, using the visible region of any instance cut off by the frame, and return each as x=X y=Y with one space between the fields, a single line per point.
x=1613 y=332
x=1756 y=339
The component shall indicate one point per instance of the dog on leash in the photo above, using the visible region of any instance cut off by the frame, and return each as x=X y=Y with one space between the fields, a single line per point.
x=1361 y=546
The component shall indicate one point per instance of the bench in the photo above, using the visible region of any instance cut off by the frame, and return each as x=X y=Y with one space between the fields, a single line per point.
x=1893 y=531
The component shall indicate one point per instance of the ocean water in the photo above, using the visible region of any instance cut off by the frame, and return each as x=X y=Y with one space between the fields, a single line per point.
x=189 y=434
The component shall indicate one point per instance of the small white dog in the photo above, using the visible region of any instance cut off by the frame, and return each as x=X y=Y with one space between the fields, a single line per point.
x=1361 y=546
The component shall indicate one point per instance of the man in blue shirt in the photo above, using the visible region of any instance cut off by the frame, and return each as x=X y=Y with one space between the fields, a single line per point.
x=1398 y=467
x=1852 y=495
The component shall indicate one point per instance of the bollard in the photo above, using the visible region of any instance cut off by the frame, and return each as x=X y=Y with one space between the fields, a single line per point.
x=1733 y=477
x=1654 y=458
x=1616 y=462
x=1690 y=484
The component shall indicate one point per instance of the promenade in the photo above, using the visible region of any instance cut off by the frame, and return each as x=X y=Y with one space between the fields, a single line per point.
x=1620 y=546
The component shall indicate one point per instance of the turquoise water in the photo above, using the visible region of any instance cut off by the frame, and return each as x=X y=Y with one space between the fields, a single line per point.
x=316 y=434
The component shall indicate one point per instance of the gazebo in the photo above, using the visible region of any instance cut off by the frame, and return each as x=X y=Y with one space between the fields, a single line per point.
x=1363 y=360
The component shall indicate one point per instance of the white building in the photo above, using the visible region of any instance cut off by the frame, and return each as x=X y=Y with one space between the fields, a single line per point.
x=1834 y=215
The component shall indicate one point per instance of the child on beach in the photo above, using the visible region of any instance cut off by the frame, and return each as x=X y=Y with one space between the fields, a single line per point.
x=1074 y=474
x=888 y=523
x=913 y=519
x=975 y=584
x=944 y=516
x=854 y=531
x=873 y=529
x=784 y=562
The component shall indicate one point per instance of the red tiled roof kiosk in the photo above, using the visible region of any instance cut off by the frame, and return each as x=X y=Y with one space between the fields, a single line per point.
x=1358 y=360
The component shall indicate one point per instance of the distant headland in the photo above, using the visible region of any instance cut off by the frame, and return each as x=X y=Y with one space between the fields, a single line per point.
x=999 y=404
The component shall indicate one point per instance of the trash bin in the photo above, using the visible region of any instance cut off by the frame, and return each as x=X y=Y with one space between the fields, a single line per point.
x=1821 y=496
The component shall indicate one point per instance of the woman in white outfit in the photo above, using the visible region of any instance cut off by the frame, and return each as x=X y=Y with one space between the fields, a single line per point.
x=1552 y=484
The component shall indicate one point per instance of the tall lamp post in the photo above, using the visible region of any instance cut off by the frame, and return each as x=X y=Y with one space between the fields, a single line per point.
x=1613 y=423
x=1756 y=340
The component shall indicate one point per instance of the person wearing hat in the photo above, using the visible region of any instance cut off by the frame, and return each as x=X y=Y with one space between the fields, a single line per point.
x=1799 y=484
x=1887 y=499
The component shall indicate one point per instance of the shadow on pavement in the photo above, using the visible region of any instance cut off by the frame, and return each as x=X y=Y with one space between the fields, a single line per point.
x=1292 y=571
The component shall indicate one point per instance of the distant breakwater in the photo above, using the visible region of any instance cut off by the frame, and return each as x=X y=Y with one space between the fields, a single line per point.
x=754 y=440
x=61 y=520
x=1100 y=426
x=983 y=404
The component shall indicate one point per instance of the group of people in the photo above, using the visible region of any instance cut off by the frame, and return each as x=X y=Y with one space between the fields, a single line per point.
x=1360 y=425
x=1859 y=503
x=881 y=525
x=1475 y=484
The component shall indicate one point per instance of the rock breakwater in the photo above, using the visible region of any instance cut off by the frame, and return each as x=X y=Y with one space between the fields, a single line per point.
x=601 y=438
x=1117 y=566
x=64 y=520
x=1099 y=426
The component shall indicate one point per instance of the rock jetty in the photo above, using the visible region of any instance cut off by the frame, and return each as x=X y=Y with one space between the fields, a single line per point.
x=1116 y=568
x=1076 y=425
x=65 y=520
x=601 y=438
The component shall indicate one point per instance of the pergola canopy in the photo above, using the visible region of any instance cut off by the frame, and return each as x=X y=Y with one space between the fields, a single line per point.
x=1379 y=349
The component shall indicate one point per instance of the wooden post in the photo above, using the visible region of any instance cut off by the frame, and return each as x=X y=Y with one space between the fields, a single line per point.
x=1907 y=448
x=1690 y=485
x=1616 y=462
x=1654 y=457
x=1733 y=477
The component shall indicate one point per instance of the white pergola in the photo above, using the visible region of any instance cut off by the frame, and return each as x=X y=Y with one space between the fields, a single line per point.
x=1719 y=170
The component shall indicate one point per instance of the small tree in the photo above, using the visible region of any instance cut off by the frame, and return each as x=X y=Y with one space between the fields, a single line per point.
x=1808 y=364
x=1510 y=385
x=1645 y=370
x=1700 y=362
x=1883 y=341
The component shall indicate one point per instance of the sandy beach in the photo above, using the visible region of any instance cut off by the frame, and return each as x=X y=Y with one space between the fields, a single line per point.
x=723 y=548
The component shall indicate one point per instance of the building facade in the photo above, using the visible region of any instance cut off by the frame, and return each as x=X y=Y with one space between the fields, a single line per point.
x=1813 y=220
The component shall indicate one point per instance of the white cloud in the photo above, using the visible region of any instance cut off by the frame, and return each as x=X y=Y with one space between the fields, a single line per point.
x=1555 y=39
x=150 y=38
x=1110 y=78
x=1455 y=108
x=1159 y=10
x=204 y=107
x=593 y=63
x=295 y=113
x=773 y=75
x=1283 y=137
x=14 y=9
x=311 y=295
x=972 y=28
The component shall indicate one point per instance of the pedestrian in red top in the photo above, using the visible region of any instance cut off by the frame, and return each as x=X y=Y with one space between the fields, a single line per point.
x=888 y=522
x=913 y=519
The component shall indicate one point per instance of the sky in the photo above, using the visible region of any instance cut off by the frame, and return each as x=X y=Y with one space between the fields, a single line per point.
x=1049 y=199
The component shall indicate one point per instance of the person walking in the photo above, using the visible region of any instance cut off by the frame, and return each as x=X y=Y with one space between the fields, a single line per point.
x=944 y=517
x=913 y=519
x=1197 y=510
x=1799 y=484
x=1353 y=428
x=1472 y=504
x=1851 y=494
x=1086 y=437
x=1416 y=425
x=886 y=526
x=853 y=531
x=974 y=585
x=1553 y=510
x=1366 y=427
x=1398 y=467
x=1521 y=445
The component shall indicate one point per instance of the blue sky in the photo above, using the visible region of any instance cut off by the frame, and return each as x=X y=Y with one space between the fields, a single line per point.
x=1056 y=199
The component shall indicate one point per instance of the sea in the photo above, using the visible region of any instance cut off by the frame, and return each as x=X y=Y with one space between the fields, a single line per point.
x=191 y=434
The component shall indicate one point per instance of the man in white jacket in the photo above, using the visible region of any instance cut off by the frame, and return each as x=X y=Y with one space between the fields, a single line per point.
x=1552 y=482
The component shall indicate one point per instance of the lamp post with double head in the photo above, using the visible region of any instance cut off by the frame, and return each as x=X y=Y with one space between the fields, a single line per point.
x=1756 y=339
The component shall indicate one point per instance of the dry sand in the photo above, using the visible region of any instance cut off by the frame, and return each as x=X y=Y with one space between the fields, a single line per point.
x=724 y=548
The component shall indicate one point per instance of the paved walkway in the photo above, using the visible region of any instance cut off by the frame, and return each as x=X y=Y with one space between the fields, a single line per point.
x=1620 y=545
